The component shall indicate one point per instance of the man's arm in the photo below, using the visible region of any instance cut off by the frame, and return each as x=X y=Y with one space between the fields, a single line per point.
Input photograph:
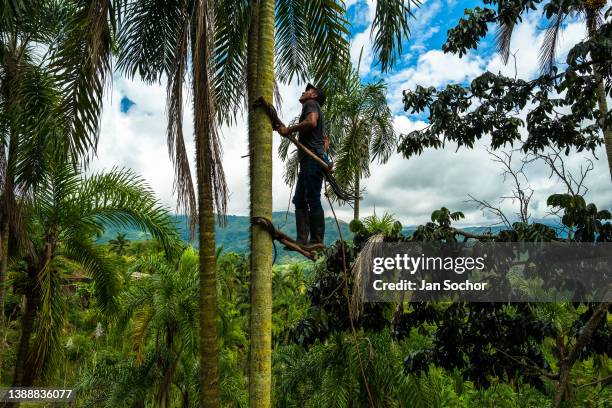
x=310 y=122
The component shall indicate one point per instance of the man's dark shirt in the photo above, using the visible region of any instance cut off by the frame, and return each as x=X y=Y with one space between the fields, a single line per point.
x=312 y=138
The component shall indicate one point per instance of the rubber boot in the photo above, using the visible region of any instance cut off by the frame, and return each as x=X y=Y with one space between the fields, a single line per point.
x=302 y=225
x=317 y=230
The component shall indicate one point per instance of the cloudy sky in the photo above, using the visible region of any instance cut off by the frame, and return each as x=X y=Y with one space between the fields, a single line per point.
x=133 y=127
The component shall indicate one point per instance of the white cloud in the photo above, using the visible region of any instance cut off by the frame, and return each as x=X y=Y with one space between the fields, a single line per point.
x=361 y=43
x=361 y=52
x=433 y=68
x=422 y=27
x=136 y=140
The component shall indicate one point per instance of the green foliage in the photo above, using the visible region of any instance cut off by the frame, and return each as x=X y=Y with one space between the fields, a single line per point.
x=469 y=30
x=81 y=60
x=443 y=217
x=488 y=354
x=360 y=126
x=328 y=374
x=384 y=225
x=127 y=335
x=119 y=244
x=560 y=103
x=585 y=219
x=311 y=41
x=65 y=214
x=390 y=28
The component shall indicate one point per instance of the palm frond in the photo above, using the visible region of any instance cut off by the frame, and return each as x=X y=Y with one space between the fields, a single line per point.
x=291 y=168
x=353 y=154
x=211 y=176
x=390 y=29
x=549 y=45
x=508 y=16
x=183 y=183
x=122 y=199
x=328 y=32
x=46 y=349
x=82 y=62
x=147 y=38
x=228 y=57
x=41 y=128
x=291 y=41
x=95 y=264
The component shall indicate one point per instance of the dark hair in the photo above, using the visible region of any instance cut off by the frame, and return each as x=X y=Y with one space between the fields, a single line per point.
x=320 y=94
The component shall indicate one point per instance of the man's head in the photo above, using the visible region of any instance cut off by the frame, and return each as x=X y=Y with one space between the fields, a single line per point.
x=312 y=92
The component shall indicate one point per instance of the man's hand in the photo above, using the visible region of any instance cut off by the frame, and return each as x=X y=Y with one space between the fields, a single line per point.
x=310 y=122
x=284 y=131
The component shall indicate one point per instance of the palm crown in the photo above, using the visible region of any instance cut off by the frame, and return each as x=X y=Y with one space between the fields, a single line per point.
x=66 y=213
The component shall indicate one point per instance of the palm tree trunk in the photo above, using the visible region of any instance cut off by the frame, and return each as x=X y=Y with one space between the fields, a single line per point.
x=600 y=90
x=260 y=142
x=4 y=238
x=204 y=122
x=356 y=206
x=11 y=101
x=27 y=326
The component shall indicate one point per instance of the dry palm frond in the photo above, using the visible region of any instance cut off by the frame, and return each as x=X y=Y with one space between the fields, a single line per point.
x=208 y=156
x=362 y=265
x=142 y=321
x=507 y=23
x=183 y=184
x=549 y=45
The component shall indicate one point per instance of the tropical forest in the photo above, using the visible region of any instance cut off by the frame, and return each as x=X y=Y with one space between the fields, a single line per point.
x=193 y=194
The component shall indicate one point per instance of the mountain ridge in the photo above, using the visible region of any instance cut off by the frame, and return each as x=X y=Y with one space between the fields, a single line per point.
x=234 y=237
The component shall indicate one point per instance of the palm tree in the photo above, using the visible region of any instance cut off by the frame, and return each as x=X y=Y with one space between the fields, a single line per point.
x=65 y=214
x=360 y=125
x=592 y=12
x=162 y=307
x=34 y=116
x=159 y=316
x=157 y=39
x=310 y=41
x=260 y=80
x=119 y=244
x=327 y=375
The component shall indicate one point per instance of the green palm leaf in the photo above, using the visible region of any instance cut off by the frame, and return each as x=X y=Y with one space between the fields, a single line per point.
x=82 y=63
x=390 y=29
x=147 y=39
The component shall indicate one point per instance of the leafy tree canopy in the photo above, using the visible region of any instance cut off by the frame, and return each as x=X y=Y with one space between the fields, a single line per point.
x=562 y=105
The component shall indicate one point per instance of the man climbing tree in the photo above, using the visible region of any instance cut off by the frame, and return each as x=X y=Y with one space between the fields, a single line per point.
x=309 y=216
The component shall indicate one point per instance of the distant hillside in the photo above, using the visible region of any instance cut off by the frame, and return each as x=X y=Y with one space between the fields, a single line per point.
x=479 y=230
x=235 y=236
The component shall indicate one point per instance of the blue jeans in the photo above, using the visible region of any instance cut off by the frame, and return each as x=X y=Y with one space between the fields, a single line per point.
x=308 y=188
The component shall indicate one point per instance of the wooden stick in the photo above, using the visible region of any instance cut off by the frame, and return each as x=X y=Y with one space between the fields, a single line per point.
x=309 y=152
x=282 y=237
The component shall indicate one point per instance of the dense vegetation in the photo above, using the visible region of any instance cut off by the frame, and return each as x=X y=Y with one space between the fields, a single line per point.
x=101 y=289
x=429 y=355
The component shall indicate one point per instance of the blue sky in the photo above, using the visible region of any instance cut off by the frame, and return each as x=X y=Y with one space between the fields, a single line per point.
x=431 y=21
x=133 y=126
